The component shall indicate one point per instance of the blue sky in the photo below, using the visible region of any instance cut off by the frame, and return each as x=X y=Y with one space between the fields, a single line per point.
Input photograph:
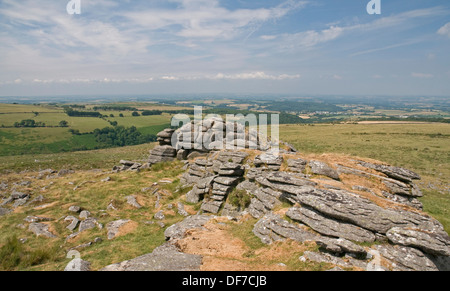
x=217 y=46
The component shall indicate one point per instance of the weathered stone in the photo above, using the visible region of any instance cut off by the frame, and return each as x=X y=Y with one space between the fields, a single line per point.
x=227 y=181
x=131 y=200
x=182 y=154
x=114 y=227
x=154 y=159
x=247 y=186
x=4 y=211
x=268 y=159
x=397 y=173
x=288 y=179
x=3 y=186
x=196 y=154
x=352 y=208
x=18 y=195
x=64 y=172
x=406 y=259
x=296 y=165
x=328 y=226
x=232 y=157
x=40 y=229
x=211 y=206
x=220 y=189
x=73 y=222
x=84 y=214
x=78 y=265
x=164 y=151
x=31 y=219
x=434 y=243
x=126 y=163
x=321 y=168
x=37 y=199
x=231 y=210
x=406 y=200
x=254 y=173
x=178 y=230
x=75 y=209
x=272 y=228
x=340 y=246
x=231 y=169
x=398 y=188
x=166 y=133
x=257 y=208
x=7 y=201
x=159 y=215
x=20 y=202
x=163 y=258
x=87 y=224
x=181 y=210
x=265 y=200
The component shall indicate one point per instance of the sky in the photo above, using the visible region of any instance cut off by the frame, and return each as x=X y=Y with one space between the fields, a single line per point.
x=225 y=46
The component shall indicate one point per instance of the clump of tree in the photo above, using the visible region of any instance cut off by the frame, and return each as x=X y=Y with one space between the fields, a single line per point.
x=74 y=131
x=29 y=123
x=135 y=113
x=77 y=106
x=302 y=107
x=63 y=123
x=114 y=108
x=121 y=136
x=75 y=113
x=151 y=112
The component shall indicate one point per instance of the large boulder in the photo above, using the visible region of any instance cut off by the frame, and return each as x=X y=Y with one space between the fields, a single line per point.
x=397 y=173
x=321 y=168
x=163 y=258
x=178 y=230
x=352 y=208
x=328 y=226
x=40 y=229
x=403 y=258
x=272 y=228
x=434 y=243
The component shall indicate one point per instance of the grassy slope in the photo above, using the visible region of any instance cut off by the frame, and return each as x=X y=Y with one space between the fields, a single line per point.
x=94 y=196
x=96 y=159
x=424 y=148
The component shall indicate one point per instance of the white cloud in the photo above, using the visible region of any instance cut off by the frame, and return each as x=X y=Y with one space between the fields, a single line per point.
x=206 y=19
x=170 y=78
x=252 y=76
x=445 y=30
x=422 y=75
x=312 y=38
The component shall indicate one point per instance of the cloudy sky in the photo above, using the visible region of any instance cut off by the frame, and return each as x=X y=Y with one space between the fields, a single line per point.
x=224 y=46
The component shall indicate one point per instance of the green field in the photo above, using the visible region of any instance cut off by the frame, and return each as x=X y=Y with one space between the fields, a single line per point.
x=55 y=139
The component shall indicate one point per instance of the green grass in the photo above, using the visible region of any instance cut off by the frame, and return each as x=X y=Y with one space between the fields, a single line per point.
x=95 y=159
x=50 y=254
x=15 y=256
